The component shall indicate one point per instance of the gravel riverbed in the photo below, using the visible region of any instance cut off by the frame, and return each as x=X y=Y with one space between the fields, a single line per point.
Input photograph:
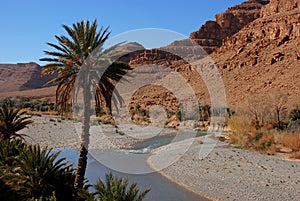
x=235 y=174
x=226 y=173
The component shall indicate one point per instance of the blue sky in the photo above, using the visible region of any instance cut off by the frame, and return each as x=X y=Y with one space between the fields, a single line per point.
x=27 y=25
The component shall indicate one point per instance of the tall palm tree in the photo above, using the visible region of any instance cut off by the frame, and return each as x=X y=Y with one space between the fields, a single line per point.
x=70 y=57
x=11 y=121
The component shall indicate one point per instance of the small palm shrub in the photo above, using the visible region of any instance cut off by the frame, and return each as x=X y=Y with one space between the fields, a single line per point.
x=115 y=189
x=30 y=172
x=11 y=121
x=50 y=198
x=295 y=114
x=294 y=121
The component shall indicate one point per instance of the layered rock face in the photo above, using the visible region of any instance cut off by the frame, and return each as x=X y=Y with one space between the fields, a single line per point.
x=264 y=55
x=212 y=33
x=261 y=55
x=278 y=6
x=210 y=36
x=21 y=76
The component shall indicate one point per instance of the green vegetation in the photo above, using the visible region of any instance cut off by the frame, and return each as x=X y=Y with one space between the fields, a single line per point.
x=140 y=115
x=31 y=173
x=11 y=121
x=28 y=171
x=67 y=61
x=265 y=124
x=27 y=103
x=115 y=189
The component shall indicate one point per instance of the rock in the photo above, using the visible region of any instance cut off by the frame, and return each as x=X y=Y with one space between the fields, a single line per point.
x=21 y=76
x=277 y=6
x=212 y=33
x=285 y=150
x=251 y=47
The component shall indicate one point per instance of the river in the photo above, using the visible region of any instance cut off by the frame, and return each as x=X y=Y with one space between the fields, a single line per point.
x=101 y=162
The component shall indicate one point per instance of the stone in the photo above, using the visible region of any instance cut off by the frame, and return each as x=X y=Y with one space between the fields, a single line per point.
x=212 y=33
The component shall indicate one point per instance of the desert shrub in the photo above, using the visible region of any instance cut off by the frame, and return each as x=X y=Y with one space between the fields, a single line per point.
x=178 y=115
x=294 y=121
x=294 y=126
x=264 y=141
x=294 y=114
x=296 y=155
x=292 y=141
x=170 y=113
x=241 y=130
x=240 y=124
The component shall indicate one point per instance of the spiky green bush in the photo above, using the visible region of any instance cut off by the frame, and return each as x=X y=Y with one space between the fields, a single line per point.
x=114 y=189
x=28 y=171
x=11 y=121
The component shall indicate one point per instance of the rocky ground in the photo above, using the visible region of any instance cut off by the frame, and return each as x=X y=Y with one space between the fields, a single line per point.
x=226 y=173
x=57 y=132
x=233 y=174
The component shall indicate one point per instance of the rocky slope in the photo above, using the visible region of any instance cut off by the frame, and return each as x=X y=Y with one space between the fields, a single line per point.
x=263 y=56
x=21 y=76
x=211 y=34
x=259 y=53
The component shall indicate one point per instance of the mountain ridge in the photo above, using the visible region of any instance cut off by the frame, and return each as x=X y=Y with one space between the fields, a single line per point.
x=260 y=56
x=21 y=76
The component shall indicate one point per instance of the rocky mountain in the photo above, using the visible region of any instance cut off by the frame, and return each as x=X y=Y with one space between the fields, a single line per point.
x=21 y=76
x=210 y=35
x=264 y=55
x=255 y=46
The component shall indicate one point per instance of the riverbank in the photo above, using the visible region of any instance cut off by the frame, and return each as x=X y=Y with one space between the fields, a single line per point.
x=233 y=174
x=225 y=174
x=55 y=132
x=62 y=133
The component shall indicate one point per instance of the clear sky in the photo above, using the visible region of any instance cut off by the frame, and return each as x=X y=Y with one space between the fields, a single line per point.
x=27 y=25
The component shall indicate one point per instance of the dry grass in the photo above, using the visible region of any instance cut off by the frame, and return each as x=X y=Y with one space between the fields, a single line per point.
x=292 y=141
x=241 y=130
x=296 y=155
x=265 y=144
x=240 y=124
x=245 y=135
x=264 y=140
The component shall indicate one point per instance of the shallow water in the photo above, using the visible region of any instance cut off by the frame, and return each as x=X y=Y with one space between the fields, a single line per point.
x=162 y=189
x=147 y=145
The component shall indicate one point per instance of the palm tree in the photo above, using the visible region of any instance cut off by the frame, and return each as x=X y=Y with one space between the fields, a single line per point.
x=41 y=173
x=9 y=153
x=295 y=114
x=11 y=121
x=117 y=189
x=29 y=171
x=70 y=57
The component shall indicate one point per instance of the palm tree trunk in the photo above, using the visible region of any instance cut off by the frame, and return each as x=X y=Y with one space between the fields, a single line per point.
x=82 y=160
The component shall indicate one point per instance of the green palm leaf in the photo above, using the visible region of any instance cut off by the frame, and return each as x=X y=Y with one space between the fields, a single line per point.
x=11 y=121
x=68 y=58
